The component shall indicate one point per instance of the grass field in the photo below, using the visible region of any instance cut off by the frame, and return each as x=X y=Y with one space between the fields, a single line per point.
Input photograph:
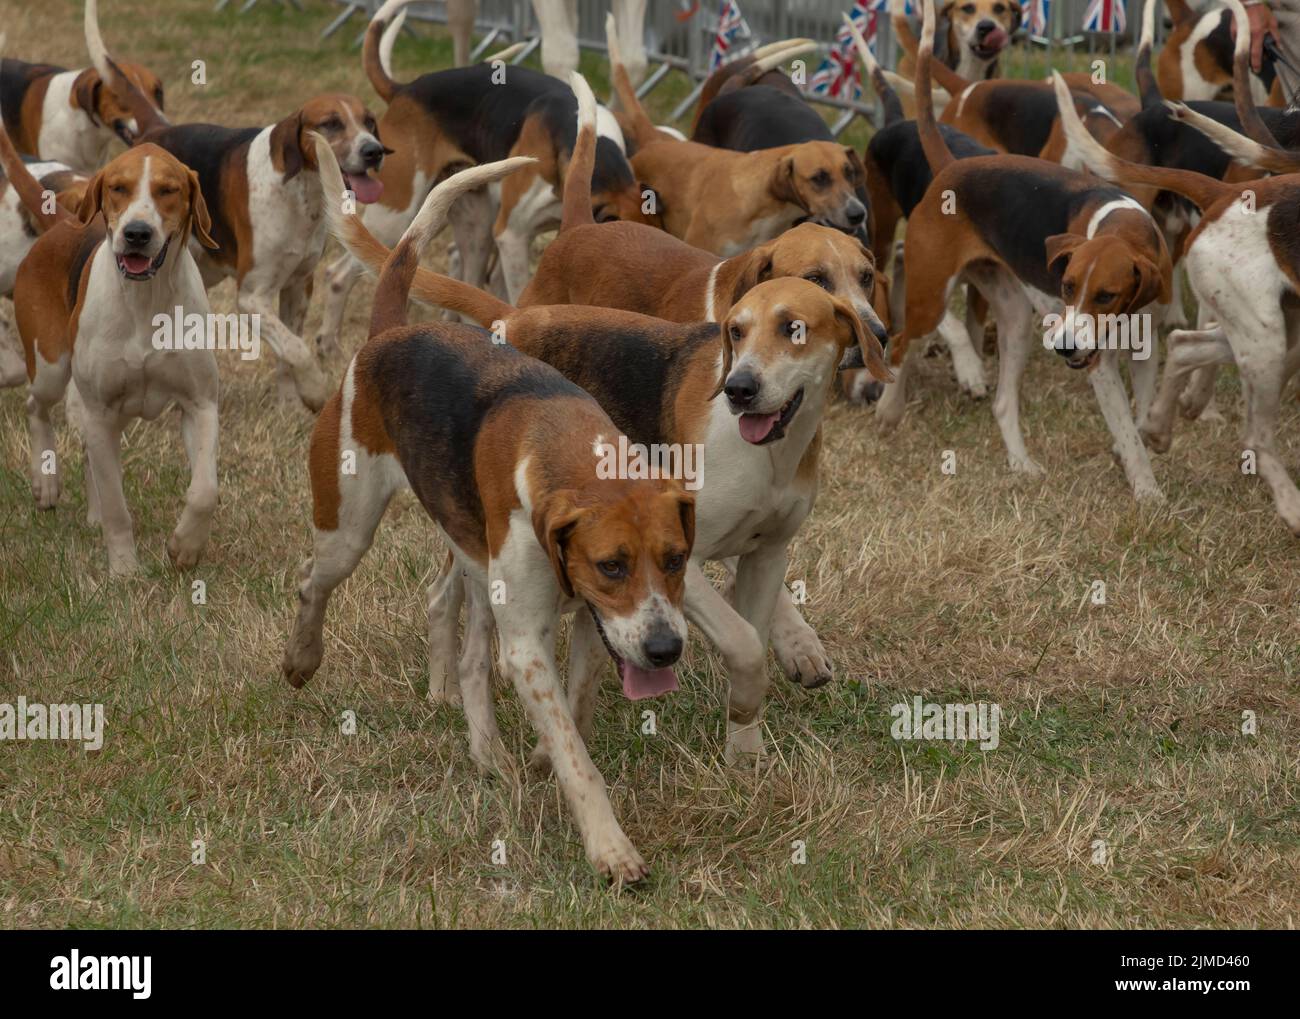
x=1122 y=722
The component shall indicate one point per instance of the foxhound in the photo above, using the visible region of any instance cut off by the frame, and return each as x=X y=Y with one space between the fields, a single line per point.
x=86 y=299
x=26 y=212
x=72 y=117
x=725 y=201
x=774 y=359
x=264 y=196
x=1022 y=229
x=502 y=452
x=970 y=37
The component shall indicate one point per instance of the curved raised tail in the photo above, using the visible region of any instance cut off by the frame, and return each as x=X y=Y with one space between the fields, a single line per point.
x=577 y=176
x=1148 y=87
x=400 y=275
x=889 y=101
x=1199 y=189
x=147 y=116
x=28 y=188
x=377 y=51
x=1242 y=149
x=1252 y=124
x=937 y=153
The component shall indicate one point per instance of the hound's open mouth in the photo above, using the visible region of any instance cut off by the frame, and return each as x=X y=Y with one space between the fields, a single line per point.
x=142 y=267
x=638 y=683
x=122 y=131
x=365 y=187
x=760 y=429
x=1087 y=360
x=991 y=45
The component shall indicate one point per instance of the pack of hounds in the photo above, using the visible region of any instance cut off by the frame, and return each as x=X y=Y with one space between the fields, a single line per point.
x=717 y=292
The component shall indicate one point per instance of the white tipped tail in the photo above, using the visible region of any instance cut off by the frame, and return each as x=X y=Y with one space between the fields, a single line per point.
x=1242 y=149
x=388 y=40
x=1082 y=144
x=95 y=41
x=507 y=54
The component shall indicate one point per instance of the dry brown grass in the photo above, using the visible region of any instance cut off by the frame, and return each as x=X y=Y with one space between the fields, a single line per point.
x=1122 y=722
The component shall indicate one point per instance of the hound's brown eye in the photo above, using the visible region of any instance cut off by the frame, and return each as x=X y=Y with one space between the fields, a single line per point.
x=1104 y=297
x=612 y=568
x=819 y=279
x=734 y=333
x=120 y=189
x=821 y=179
x=166 y=190
x=674 y=563
x=332 y=124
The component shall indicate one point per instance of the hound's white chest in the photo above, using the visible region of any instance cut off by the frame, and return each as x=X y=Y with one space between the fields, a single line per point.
x=749 y=496
x=115 y=361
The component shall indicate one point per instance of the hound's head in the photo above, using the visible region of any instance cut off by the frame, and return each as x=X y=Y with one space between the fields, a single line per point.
x=835 y=261
x=781 y=347
x=616 y=194
x=1107 y=275
x=823 y=178
x=984 y=27
x=110 y=106
x=623 y=546
x=352 y=133
x=150 y=200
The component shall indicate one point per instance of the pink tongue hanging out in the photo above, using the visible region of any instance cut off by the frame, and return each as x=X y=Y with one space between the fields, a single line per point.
x=135 y=264
x=995 y=40
x=639 y=683
x=755 y=427
x=365 y=187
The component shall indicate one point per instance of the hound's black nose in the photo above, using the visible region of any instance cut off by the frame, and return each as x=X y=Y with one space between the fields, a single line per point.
x=137 y=234
x=372 y=153
x=856 y=214
x=741 y=387
x=984 y=28
x=662 y=648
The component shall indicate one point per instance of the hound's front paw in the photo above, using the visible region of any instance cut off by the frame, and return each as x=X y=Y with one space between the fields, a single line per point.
x=613 y=855
x=801 y=656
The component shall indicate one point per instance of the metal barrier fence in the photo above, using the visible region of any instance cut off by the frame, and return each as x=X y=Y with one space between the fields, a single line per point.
x=672 y=44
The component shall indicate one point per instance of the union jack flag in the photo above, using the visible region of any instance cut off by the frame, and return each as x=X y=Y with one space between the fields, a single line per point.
x=731 y=26
x=840 y=74
x=1040 y=15
x=1104 y=16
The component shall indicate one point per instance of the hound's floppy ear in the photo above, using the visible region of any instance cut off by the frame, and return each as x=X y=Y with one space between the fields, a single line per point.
x=1017 y=17
x=783 y=188
x=725 y=326
x=286 y=146
x=85 y=92
x=756 y=269
x=92 y=201
x=1152 y=284
x=855 y=161
x=1062 y=246
x=553 y=521
x=200 y=220
x=871 y=353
